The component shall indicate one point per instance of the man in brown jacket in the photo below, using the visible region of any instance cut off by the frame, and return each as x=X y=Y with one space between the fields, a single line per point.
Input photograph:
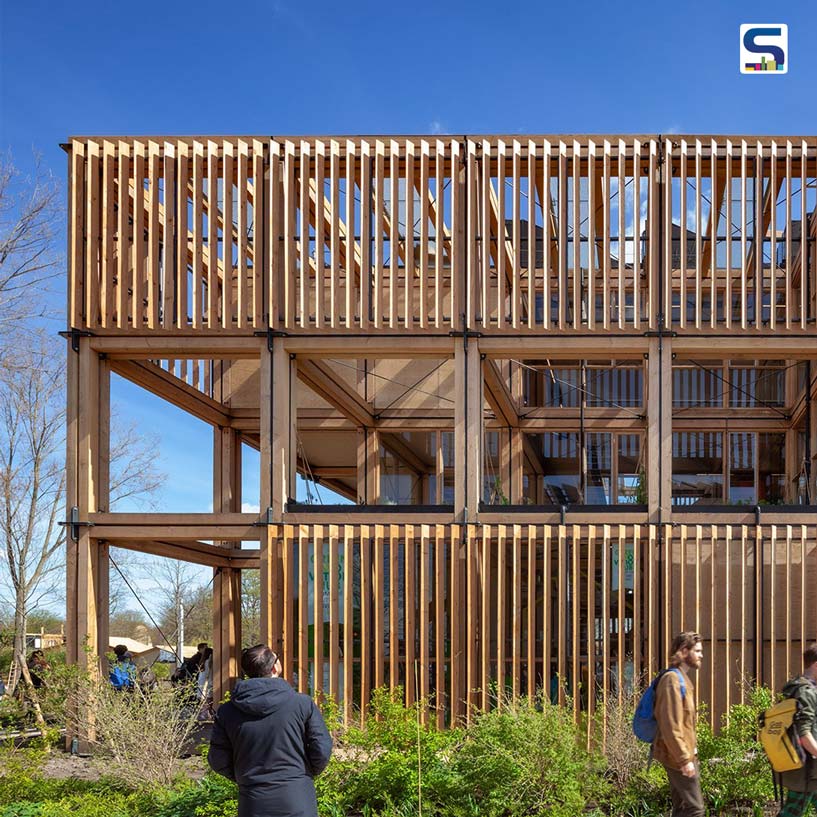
x=676 y=745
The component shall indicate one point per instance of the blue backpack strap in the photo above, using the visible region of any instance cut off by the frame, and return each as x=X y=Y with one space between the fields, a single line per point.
x=680 y=681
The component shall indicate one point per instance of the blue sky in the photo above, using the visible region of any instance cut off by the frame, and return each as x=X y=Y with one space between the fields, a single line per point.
x=282 y=67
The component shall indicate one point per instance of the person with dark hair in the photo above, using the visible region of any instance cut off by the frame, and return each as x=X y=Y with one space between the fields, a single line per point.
x=37 y=665
x=802 y=783
x=270 y=740
x=123 y=671
x=675 y=745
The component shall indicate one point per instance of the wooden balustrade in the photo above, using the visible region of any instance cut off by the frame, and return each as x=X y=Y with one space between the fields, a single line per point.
x=433 y=234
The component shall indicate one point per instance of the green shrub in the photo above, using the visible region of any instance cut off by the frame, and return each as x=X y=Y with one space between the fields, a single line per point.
x=377 y=769
x=734 y=769
x=524 y=759
x=70 y=797
x=212 y=796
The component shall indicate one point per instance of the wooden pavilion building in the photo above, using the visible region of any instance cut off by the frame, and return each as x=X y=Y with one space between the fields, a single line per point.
x=567 y=384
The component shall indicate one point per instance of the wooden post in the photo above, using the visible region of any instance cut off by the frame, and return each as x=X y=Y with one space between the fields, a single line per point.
x=659 y=429
x=468 y=430
x=283 y=451
x=87 y=489
x=226 y=581
x=368 y=465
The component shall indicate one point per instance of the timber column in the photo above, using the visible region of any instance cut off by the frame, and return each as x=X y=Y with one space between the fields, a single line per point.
x=87 y=491
x=659 y=479
x=468 y=431
x=226 y=580
x=278 y=416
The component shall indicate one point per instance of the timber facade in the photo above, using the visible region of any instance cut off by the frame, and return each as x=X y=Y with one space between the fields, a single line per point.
x=565 y=383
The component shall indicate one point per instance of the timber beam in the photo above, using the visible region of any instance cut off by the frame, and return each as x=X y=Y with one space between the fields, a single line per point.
x=174 y=390
x=330 y=386
x=177 y=527
x=195 y=552
x=202 y=345
x=745 y=347
x=498 y=395
x=397 y=445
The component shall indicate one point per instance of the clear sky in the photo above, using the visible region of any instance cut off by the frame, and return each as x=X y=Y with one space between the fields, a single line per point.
x=282 y=67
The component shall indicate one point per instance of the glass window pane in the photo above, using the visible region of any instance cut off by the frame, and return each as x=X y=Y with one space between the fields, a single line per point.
x=621 y=386
x=696 y=386
x=494 y=491
x=447 y=445
x=559 y=462
x=752 y=386
x=771 y=487
x=555 y=386
x=599 y=469
x=697 y=467
x=742 y=489
x=632 y=479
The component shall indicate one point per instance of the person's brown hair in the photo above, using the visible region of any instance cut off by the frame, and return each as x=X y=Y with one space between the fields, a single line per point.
x=810 y=655
x=683 y=641
x=258 y=661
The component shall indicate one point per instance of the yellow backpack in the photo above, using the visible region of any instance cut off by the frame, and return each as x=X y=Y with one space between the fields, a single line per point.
x=779 y=738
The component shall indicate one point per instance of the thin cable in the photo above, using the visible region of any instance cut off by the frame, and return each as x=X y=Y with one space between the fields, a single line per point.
x=763 y=403
x=806 y=391
x=396 y=383
x=573 y=387
x=310 y=475
x=416 y=383
x=147 y=612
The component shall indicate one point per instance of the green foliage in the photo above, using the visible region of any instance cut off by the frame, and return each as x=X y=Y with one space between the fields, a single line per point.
x=521 y=760
x=213 y=796
x=376 y=770
x=525 y=759
x=734 y=769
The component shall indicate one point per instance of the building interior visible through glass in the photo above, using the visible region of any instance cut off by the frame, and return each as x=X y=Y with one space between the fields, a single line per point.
x=581 y=440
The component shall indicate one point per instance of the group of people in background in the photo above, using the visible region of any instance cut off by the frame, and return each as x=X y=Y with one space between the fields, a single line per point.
x=193 y=678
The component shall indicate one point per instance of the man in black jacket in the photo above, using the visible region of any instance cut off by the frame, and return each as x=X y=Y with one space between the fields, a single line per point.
x=271 y=740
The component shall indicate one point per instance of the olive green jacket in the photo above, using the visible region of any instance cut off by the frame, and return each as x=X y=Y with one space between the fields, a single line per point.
x=805 y=721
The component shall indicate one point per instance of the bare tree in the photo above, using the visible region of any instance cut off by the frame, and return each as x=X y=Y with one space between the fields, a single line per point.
x=250 y=607
x=31 y=213
x=181 y=597
x=32 y=479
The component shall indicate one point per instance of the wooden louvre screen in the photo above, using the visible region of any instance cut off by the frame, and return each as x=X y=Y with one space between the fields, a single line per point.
x=439 y=233
x=465 y=617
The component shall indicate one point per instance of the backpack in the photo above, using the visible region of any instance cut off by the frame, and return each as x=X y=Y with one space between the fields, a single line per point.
x=645 y=727
x=779 y=738
x=121 y=676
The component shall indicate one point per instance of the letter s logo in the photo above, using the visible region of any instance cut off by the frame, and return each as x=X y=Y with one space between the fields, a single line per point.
x=750 y=45
x=764 y=47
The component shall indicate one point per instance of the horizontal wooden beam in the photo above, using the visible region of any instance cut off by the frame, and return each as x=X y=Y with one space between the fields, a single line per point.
x=528 y=346
x=179 y=533
x=751 y=346
x=371 y=345
x=198 y=345
x=153 y=519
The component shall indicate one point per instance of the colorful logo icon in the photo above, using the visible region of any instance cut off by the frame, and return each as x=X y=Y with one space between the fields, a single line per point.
x=764 y=48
